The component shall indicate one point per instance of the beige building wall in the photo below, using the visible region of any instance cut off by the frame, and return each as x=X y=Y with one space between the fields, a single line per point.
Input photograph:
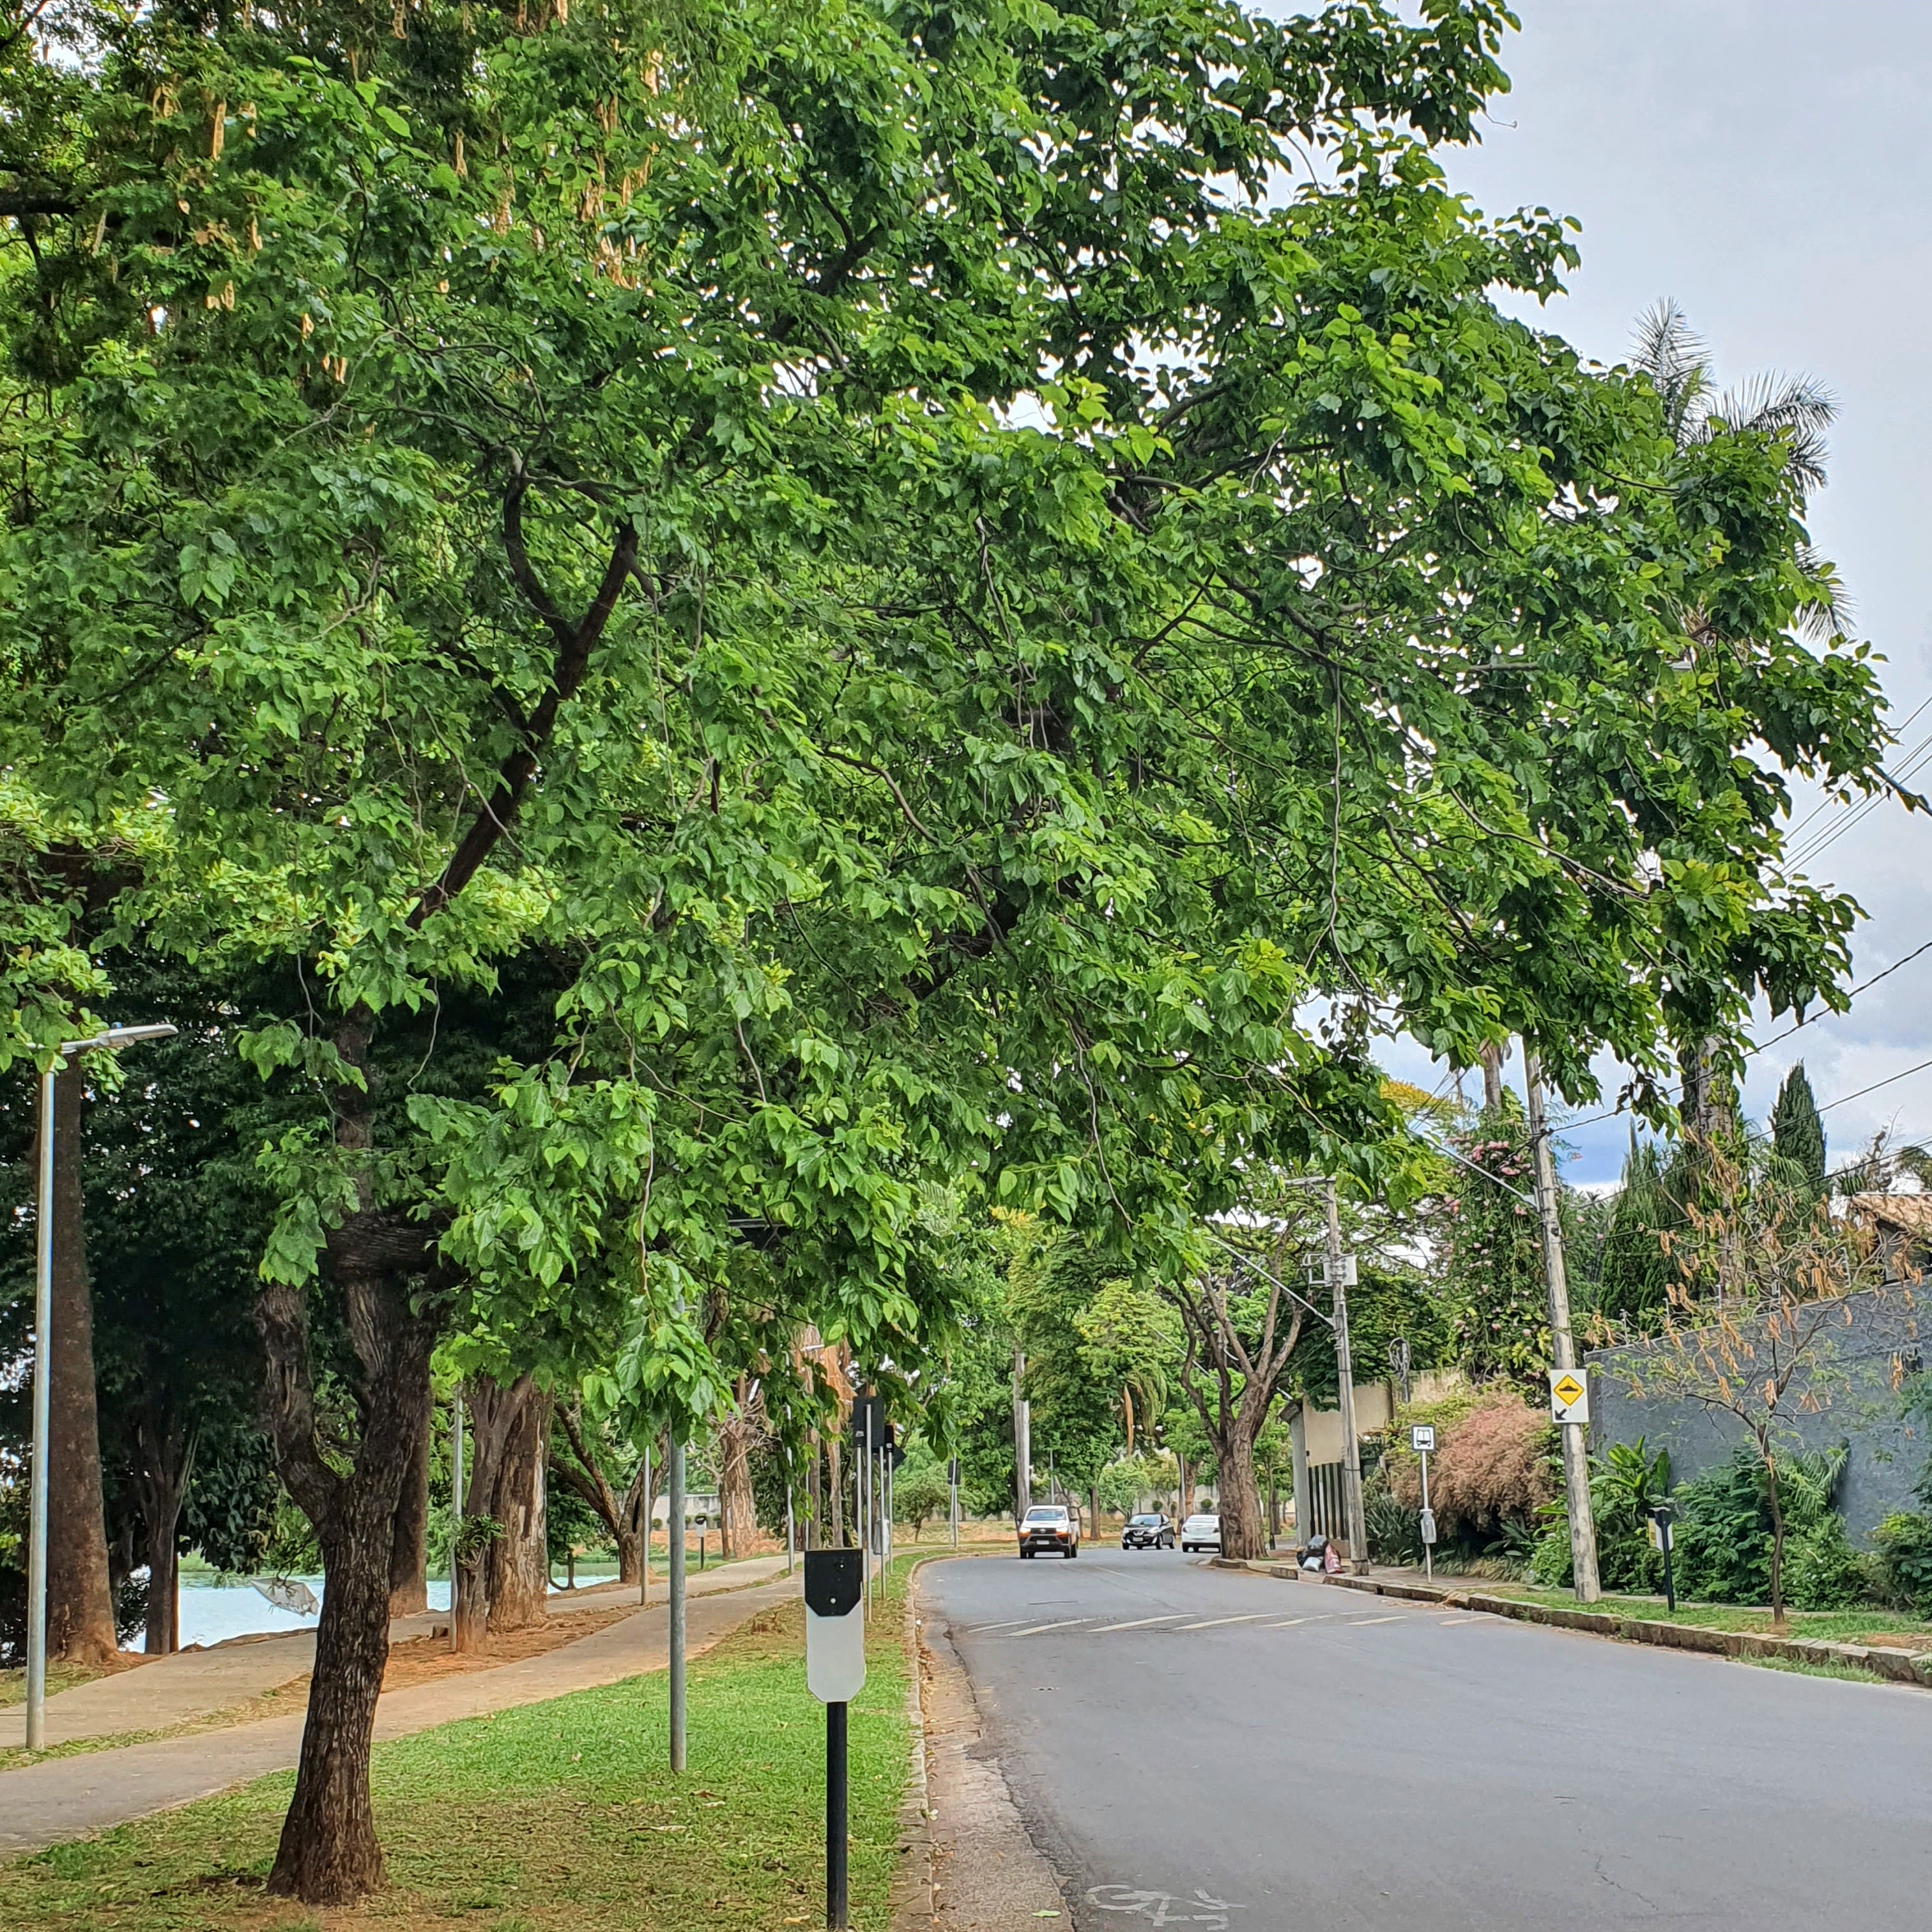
x=1375 y=1405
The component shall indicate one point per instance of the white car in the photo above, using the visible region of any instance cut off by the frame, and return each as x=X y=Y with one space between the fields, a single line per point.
x=1201 y=1532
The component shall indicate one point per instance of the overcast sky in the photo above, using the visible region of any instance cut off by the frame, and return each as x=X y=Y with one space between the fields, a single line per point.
x=1759 y=161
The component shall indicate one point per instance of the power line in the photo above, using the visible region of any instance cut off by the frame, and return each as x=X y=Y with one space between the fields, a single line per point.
x=1889 y=1079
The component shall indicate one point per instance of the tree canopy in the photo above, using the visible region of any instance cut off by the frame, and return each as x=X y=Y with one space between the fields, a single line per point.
x=885 y=607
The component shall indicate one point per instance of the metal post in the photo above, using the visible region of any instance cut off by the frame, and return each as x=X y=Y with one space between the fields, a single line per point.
x=836 y=1904
x=865 y=1507
x=1344 y=1372
x=1022 y=1442
x=1575 y=1446
x=455 y=1504
x=43 y=1369
x=952 y=1506
x=675 y=1527
x=1428 y=1547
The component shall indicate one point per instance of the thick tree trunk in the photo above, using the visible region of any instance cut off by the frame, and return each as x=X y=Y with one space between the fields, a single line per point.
x=80 y=1596
x=328 y=1852
x=165 y=1450
x=1242 y=1535
x=408 y=1554
x=737 y=1512
x=512 y=1429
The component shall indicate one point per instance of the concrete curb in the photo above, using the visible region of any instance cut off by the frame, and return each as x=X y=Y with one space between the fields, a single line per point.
x=910 y=1903
x=1891 y=1666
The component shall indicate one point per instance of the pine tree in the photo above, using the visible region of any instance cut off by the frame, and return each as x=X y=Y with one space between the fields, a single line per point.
x=1797 y=1133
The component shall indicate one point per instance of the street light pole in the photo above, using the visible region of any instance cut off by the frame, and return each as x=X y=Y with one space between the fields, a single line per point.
x=1576 y=1446
x=112 y=1041
x=1338 y=1269
x=676 y=1656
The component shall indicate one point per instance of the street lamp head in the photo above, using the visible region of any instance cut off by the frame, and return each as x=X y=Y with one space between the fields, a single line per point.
x=115 y=1038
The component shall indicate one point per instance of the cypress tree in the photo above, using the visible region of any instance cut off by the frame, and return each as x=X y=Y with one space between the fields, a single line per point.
x=1797 y=1133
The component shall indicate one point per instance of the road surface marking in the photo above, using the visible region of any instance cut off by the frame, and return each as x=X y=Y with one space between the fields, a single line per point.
x=1215 y=1623
x=1141 y=1623
x=977 y=1628
x=1036 y=1630
x=1356 y=1623
x=1290 y=1622
x=1449 y=1623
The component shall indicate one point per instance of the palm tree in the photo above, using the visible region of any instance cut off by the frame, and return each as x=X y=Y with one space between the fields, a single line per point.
x=1797 y=408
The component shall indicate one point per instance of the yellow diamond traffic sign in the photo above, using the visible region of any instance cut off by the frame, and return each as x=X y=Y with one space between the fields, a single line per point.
x=1569 y=1396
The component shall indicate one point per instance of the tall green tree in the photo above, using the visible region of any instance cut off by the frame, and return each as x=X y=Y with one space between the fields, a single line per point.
x=532 y=510
x=1797 y=1132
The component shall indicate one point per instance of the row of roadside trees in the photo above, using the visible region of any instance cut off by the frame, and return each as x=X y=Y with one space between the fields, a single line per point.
x=720 y=638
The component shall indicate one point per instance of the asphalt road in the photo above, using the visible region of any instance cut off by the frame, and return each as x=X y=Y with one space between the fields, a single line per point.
x=1241 y=1753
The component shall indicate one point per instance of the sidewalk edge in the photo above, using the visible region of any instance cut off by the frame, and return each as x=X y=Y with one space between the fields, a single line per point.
x=1887 y=1665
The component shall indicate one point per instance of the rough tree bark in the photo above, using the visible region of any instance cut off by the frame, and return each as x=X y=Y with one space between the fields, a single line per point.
x=80 y=1596
x=164 y=1463
x=328 y=1852
x=409 y=1553
x=511 y=1429
x=737 y=1511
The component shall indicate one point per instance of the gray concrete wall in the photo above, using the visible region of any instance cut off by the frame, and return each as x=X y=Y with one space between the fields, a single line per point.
x=1854 y=1386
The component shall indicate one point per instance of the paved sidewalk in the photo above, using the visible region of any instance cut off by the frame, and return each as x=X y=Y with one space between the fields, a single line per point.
x=194 y=1683
x=61 y=1799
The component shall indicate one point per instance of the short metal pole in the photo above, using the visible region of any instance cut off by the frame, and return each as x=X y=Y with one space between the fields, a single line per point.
x=455 y=1504
x=43 y=1371
x=953 y=1507
x=837 y=1902
x=676 y=1530
x=1428 y=1548
x=1670 y=1576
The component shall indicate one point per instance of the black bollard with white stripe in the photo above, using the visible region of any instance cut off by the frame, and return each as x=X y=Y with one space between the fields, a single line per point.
x=835 y=1673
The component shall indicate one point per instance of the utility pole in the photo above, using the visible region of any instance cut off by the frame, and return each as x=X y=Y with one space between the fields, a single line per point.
x=1022 y=1441
x=676 y=1528
x=1576 y=1445
x=1340 y=1270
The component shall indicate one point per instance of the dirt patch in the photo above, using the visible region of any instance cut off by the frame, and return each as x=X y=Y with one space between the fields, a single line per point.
x=427 y=1660
x=1911 y=1640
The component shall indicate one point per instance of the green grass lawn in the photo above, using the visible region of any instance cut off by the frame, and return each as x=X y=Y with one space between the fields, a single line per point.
x=556 y=1815
x=1827 y=1626
x=60 y=1677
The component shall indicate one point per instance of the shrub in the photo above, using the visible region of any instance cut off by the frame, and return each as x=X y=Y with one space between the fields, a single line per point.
x=1902 y=1561
x=1823 y=1572
x=1492 y=1467
x=1724 y=1528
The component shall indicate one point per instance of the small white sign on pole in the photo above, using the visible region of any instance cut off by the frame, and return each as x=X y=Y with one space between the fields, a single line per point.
x=1422 y=1438
x=834 y=1631
x=1569 y=1396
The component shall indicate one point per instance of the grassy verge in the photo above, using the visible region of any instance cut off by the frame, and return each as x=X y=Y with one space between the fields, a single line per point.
x=1827 y=1626
x=60 y=1677
x=556 y=1815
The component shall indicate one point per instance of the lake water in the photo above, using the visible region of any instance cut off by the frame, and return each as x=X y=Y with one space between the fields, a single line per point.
x=211 y=1613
